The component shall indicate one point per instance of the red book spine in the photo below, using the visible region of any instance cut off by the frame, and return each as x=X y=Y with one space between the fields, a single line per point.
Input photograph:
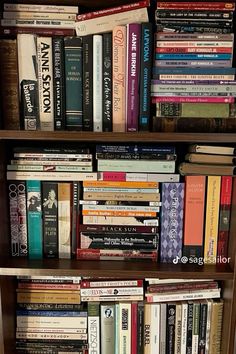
x=134 y=327
x=193 y=50
x=186 y=286
x=224 y=221
x=113 y=10
x=114 y=176
x=96 y=254
x=40 y=31
x=225 y=6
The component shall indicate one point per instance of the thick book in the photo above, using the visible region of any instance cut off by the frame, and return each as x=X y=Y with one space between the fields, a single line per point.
x=216 y=327
x=64 y=220
x=88 y=83
x=136 y=166
x=34 y=219
x=118 y=78
x=211 y=149
x=10 y=108
x=94 y=328
x=132 y=76
x=107 y=318
x=186 y=168
x=50 y=219
x=45 y=83
x=73 y=83
x=58 y=82
x=145 y=75
x=212 y=219
x=194 y=216
x=211 y=159
x=97 y=83
x=107 y=83
x=28 y=81
x=172 y=213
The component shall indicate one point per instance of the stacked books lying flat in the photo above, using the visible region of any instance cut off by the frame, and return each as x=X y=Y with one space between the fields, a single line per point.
x=193 y=83
x=40 y=19
x=117 y=316
x=49 y=316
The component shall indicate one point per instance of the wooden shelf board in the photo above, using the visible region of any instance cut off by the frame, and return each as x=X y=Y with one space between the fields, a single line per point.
x=140 y=137
x=121 y=269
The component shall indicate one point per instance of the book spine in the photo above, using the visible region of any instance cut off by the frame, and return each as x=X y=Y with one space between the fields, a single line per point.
x=191 y=63
x=192 y=99
x=178 y=324
x=50 y=219
x=51 y=330
x=75 y=218
x=191 y=89
x=135 y=166
x=163 y=313
x=188 y=295
x=40 y=321
x=64 y=220
x=145 y=75
x=52 y=298
x=45 y=83
x=10 y=90
x=168 y=14
x=118 y=283
x=170 y=328
x=117 y=328
x=65 y=314
x=212 y=217
x=48 y=286
x=37 y=23
x=155 y=328
x=119 y=255
x=73 y=82
x=147 y=328
x=122 y=196
x=97 y=83
x=202 y=328
x=184 y=50
x=224 y=218
x=120 y=213
x=221 y=6
x=172 y=222
x=110 y=291
x=53 y=176
x=88 y=83
x=194 y=205
x=22 y=218
x=14 y=218
x=193 y=36
x=15 y=15
x=107 y=318
x=58 y=82
x=34 y=219
x=107 y=82
x=118 y=228
x=40 y=8
x=118 y=76
x=189 y=328
x=134 y=328
x=195 y=335
x=140 y=328
x=132 y=76
x=184 y=328
x=93 y=328
x=48 y=336
x=179 y=56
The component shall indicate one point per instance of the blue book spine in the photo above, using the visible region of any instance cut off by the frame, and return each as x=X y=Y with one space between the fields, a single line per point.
x=145 y=76
x=135 y=149
x=34 y=219
x=172 y=212
x=51 y=313
x=193 y=56
x=193 y=71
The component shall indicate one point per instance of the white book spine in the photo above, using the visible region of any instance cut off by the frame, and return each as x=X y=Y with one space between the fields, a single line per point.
x=26 y=51
x=113 y=298
x=45 y=83
x=97 y=83
x=110 y=291
x=212 y=293
x=15 y=15
x=51 y=163
x=117 y=220
x=64 y=220
x=57 y=322
x=184 y=328
x=53 y=176
x=121 y=207
x=155 y=329
x=117 y=328
x=108 y=22
x=51 y=277
x=58 y=336
x=125 y=328
x=123 y=190
x=40 y=8
x=107 y=328
x=51 y=330
x=162 y=347
x=94 y=334
x=62 y=24
x=147 y=328
x=98 y=284
x=178 y=327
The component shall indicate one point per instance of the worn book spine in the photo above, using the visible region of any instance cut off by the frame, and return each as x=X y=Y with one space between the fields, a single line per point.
x=118 y=77
x=97 y=83
x=145 y=75
x=50 y=219
x=22 y=218
x=224 y=218
x=9 y=84
x=132 y=76
x=193 y=226
x=45 y=83
x=73 y=83
x=171 y=240
x=94 y=328
x=34 y=219
x=88 y=83
x=212 y=218
x=216 y=327
x=107 y=318
x=64 y=220
x=107 y=82
x=58 y=82
x=28 y=82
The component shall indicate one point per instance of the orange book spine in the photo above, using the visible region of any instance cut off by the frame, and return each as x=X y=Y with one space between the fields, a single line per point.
x=194 y=215
x=119 y=68
x=64 y=220
x=111 y=184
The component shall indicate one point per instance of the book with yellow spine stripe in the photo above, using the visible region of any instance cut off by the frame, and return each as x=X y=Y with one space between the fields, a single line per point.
x=212 y=217
x=117 y=184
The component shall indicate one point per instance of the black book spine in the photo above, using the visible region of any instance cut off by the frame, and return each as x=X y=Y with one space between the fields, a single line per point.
x=145 y=75
x=58 y=82
x=202 y=329
x=107 y=82
x=140 y=328
x=170 y=329
x=22 y=219
x=50 y=219
x=74 y=228
x=14 y=220
x=88 y=83
x=189 y=329
x=29 y=105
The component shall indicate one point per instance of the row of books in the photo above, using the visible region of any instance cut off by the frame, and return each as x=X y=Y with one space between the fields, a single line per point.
x=121 y=212
x=112 y=316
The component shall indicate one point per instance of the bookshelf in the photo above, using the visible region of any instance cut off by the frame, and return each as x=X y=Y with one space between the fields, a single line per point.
x=11 y=267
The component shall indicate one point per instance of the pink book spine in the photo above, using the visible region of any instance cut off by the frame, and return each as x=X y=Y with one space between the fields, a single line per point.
x=111 y=176
x=113 y=10
x=189 y=99
x=119 y=63
x=132 y=76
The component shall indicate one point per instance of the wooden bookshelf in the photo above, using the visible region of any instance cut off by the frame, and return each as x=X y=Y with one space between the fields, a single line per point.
x=11 y=267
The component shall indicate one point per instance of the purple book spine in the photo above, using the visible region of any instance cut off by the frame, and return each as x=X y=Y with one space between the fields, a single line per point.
x=172 y=222
x=133 y=72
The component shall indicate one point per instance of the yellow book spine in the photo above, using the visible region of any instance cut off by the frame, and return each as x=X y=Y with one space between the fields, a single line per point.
x=212 y=217
x=147 y=328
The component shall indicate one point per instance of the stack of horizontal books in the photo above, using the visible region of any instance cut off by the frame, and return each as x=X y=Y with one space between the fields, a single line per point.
x=193 y=83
